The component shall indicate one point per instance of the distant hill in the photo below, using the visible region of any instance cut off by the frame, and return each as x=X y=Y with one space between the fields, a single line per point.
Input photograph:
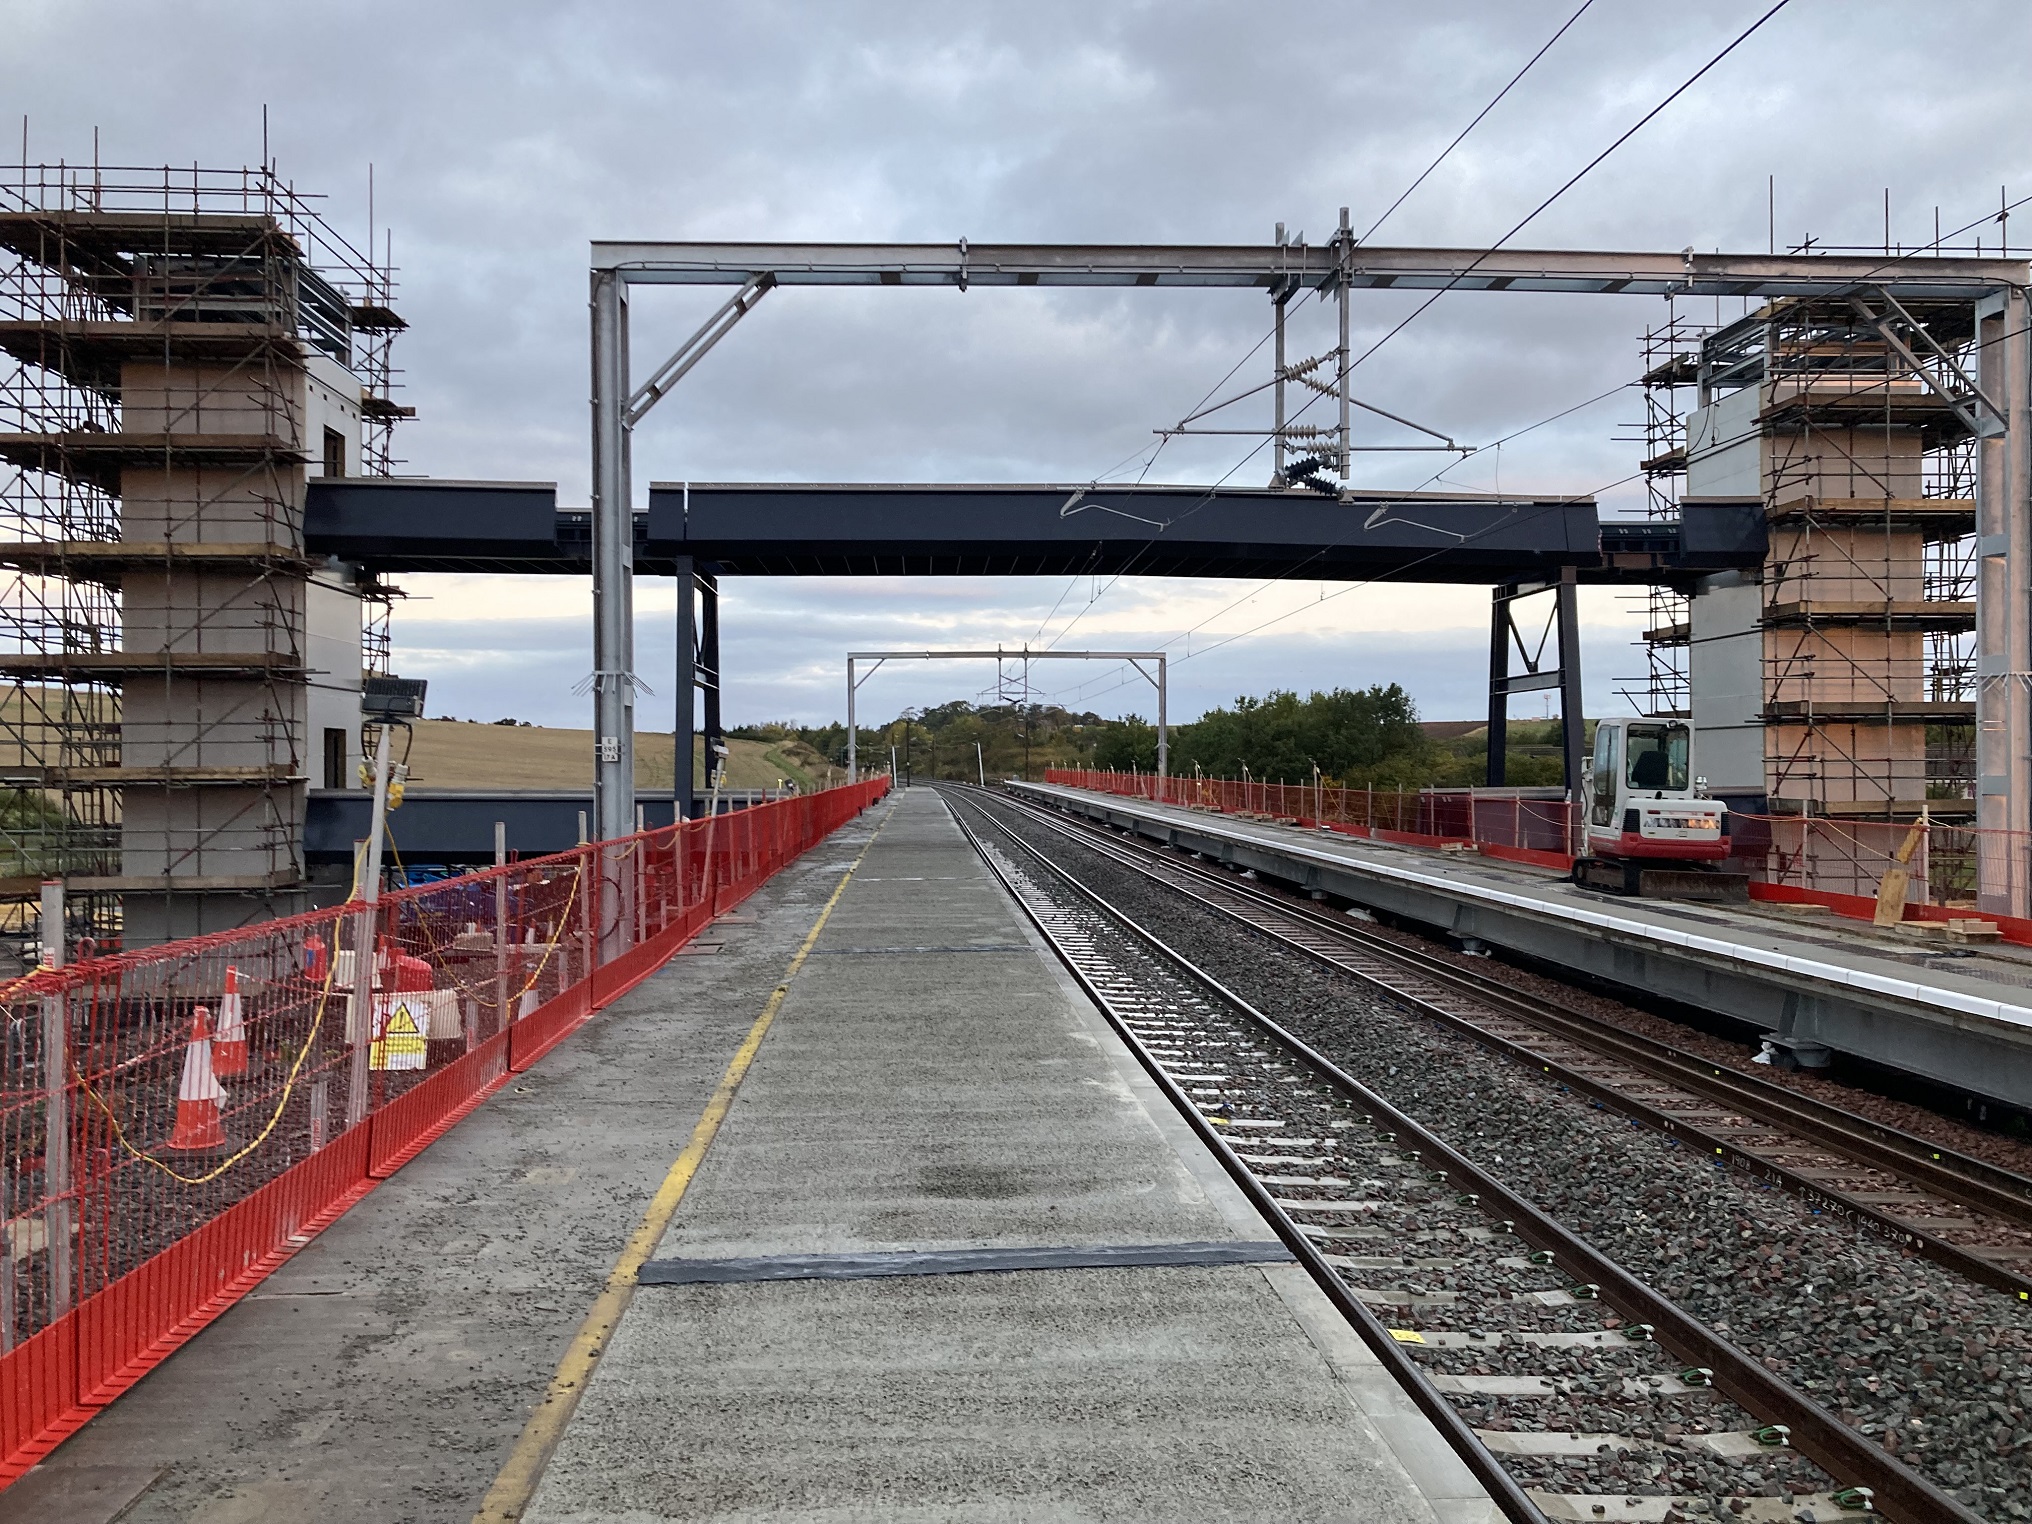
x=1452 y=730
x=457 y=754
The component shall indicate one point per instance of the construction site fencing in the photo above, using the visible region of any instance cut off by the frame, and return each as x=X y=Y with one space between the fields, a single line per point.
x=1954 y=868
x=175 y=1122
x=1513 y=823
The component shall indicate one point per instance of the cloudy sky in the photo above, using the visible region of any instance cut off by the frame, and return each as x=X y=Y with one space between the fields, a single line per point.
x=504 y=136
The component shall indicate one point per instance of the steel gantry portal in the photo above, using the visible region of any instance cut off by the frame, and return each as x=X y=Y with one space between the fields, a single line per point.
x=1995 y=288
x=1159 y=680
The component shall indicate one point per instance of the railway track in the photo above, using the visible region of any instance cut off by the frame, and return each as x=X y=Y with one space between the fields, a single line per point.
x=1964 y=1213
x=1572 y=1389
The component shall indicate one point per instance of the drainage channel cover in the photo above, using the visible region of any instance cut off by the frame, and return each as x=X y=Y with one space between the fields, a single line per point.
x=865 y=1266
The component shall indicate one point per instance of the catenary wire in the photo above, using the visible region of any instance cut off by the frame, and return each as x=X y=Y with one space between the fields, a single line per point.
x=1426 y=305
x=1579 y=175
x=1494 y=102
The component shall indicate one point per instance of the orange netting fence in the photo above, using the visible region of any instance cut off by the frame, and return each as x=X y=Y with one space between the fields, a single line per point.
x=175 y=1122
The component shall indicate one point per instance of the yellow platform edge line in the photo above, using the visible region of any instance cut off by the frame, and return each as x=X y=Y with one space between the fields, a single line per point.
x=516 y=1482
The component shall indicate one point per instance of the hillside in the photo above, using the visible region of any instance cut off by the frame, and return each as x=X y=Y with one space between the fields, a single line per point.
x=455 y=754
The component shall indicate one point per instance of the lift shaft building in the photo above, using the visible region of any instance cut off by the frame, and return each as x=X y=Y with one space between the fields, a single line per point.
x=1839 y=678
x=188 y=349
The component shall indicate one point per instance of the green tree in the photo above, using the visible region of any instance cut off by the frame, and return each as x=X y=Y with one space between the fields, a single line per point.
x=1368 y=736
x=1127 y=743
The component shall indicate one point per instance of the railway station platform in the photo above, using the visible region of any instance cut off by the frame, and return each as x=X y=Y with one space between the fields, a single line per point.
x=929 y=1079
x=1814 y=985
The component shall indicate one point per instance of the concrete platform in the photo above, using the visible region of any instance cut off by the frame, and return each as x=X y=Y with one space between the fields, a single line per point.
x=935 y=1081
x=932 y=1081
x=1962 y=1020
x=382 y=1375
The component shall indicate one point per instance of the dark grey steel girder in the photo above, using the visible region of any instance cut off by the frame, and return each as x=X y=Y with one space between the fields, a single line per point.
x=963 y=265
x=395 y=525
x=853 y=530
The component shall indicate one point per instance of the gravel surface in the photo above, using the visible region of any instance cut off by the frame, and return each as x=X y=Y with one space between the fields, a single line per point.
x=1978 y=1142
x=1936 y=1370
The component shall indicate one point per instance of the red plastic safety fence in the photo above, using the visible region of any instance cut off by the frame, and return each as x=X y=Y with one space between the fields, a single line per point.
x=1501 y=822
x=1953 y=868
x=175 y=1122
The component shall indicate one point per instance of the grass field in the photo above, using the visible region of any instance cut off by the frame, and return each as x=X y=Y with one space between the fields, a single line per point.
x=450 y=754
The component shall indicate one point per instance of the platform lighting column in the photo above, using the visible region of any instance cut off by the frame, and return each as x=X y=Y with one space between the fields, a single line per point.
x=853 y=762
x=613 y=595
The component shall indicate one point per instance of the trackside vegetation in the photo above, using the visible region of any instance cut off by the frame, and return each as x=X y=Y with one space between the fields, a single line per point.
x=1358 y=737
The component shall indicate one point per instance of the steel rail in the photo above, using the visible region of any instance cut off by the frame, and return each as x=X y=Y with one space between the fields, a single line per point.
x=1958 y=1179
x=1508 y=1494
x=1991 y=1187
x=1898 y=1491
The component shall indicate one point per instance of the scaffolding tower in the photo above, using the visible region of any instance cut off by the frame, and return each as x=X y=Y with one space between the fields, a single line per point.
x=1839 y=682
x=186 y=348
x=1671 y=358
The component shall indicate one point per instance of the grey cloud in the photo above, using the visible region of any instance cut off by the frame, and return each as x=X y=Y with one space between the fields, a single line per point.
x=505 y=135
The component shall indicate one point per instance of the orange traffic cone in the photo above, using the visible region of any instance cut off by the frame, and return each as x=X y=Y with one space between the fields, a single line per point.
x=198 y=1128
x=229 y=1048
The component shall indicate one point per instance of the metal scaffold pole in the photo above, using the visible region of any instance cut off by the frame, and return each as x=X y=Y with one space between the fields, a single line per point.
x=57 y=1140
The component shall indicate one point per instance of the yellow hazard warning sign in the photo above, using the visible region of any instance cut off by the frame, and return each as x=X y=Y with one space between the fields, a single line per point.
x=399 y=1041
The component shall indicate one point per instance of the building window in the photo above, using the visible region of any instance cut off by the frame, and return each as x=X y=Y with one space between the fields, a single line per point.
x=335 y=453
x=335 y=757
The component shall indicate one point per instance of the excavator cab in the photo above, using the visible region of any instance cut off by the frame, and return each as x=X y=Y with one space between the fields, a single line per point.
x=1649 y=828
